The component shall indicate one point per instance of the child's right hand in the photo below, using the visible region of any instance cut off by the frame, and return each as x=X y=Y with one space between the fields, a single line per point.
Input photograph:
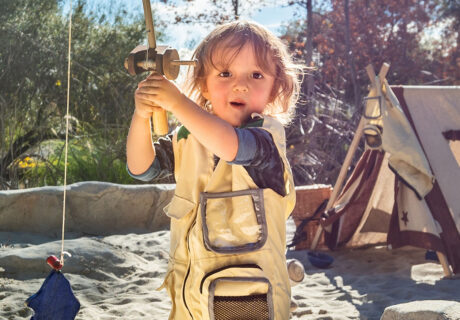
x=144 y=106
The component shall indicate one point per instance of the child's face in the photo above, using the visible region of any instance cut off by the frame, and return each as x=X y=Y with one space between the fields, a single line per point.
x=240 y=89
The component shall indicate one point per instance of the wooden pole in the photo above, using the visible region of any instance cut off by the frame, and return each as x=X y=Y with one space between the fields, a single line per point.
x=445 y=264
x=149 y=24
x=160 y=122
x=342 y=175
x=159 y=118
x=351 y=152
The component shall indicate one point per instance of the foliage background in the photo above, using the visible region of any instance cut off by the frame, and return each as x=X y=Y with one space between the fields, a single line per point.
x=338 y=38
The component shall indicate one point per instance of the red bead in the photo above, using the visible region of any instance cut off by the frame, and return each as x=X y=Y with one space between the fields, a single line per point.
x=54 y=263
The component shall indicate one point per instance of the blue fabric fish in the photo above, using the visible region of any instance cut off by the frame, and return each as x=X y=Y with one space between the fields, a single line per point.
x=55 y=299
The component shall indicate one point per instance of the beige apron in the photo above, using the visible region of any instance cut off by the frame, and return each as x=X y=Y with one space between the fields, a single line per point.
x=228 y=237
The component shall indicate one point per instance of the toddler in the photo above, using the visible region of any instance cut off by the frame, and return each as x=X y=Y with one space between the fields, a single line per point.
x=234 y=187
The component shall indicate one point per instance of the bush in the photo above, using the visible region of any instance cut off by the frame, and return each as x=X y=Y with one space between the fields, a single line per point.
x=92 y=158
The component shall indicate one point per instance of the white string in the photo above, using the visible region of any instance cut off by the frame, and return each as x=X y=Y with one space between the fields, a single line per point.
x=66 y=133
x=146 y=57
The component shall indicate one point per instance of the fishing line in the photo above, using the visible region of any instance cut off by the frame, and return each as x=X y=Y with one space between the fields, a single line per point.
x=67 y=116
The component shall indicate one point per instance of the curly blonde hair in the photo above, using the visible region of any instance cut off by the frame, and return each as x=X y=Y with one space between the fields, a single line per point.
x=271 y=52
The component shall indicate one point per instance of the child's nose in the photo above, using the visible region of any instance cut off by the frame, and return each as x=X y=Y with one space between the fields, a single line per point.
x=240 y=85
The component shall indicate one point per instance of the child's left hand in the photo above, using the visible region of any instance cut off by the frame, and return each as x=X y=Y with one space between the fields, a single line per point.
x=161 y=91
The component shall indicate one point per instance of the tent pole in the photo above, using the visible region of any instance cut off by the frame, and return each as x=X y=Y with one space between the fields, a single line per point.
x=445 y=264
x=351 y=152
x=342 y=175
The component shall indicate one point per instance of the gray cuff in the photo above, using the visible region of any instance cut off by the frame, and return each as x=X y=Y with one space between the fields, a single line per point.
x=247 y=147
x=151 y=173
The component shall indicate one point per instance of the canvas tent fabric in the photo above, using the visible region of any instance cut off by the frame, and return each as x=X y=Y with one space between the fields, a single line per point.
x=398 y=139
x=379 y=204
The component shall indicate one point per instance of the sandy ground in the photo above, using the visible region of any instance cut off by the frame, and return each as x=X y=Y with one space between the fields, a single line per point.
x=115 y=277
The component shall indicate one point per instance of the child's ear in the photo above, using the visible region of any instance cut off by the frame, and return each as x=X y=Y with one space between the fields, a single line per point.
x=204 y=92
x=274 y=92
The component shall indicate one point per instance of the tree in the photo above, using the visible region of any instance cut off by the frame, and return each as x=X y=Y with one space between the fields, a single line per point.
x=448 y=56
x=214 y=12
x=379 y=31
x=450 y=9
x=350 y=54
x=33 y=67
x=348 y=35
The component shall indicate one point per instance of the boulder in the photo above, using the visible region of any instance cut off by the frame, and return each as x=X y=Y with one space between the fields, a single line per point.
x=423 y=310
x=93 y=208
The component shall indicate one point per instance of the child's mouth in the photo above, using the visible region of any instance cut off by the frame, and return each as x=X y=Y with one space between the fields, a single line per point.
x=237 y=104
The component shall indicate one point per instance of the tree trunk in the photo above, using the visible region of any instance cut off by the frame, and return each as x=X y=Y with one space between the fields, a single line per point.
x=309 y=48
x=350 y=55
x=235 y=9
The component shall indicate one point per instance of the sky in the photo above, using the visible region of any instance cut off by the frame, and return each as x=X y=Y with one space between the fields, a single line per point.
x=272 y=16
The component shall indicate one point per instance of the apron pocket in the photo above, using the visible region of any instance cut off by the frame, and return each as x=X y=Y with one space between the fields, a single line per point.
x=239 y=292
x=233 y=222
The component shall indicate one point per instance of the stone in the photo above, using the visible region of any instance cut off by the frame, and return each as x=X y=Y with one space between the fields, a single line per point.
x=423 y=310
x=93 y=208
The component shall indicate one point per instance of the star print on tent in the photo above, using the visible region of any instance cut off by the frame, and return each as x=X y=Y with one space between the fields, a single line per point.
x=404 y=218
x=55 y=299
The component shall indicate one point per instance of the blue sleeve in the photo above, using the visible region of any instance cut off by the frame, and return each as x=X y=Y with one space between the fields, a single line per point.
x=162 y=168
x=256 y=148
x=151 y=173
x=247 y=147
x=258 y=154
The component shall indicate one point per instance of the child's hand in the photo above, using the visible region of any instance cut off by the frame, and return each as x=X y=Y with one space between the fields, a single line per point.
x=156 y=91
x=143 y=102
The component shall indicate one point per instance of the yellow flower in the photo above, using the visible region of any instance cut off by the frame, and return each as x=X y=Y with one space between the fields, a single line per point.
x=58 y=83
x=27 y=162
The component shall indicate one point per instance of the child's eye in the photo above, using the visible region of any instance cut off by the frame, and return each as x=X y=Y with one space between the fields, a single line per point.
x=225 y=74
x=257 y=75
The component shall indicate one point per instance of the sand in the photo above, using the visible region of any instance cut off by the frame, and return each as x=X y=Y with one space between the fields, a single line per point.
x=114 y=277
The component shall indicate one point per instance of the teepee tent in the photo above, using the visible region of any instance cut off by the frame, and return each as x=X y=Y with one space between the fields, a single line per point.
x=405 y=189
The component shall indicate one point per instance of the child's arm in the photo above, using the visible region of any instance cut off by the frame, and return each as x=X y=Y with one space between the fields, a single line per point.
x=139 y=148
x=140 y=152
x=216 y=134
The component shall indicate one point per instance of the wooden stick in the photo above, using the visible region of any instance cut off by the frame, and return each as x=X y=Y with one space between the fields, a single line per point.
x=160 y=122
x=149 y=24
x=342 y=175
x=383 y=71
x=351 y=152
x=371 y=74
x=445 y=264
x=159 y=118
